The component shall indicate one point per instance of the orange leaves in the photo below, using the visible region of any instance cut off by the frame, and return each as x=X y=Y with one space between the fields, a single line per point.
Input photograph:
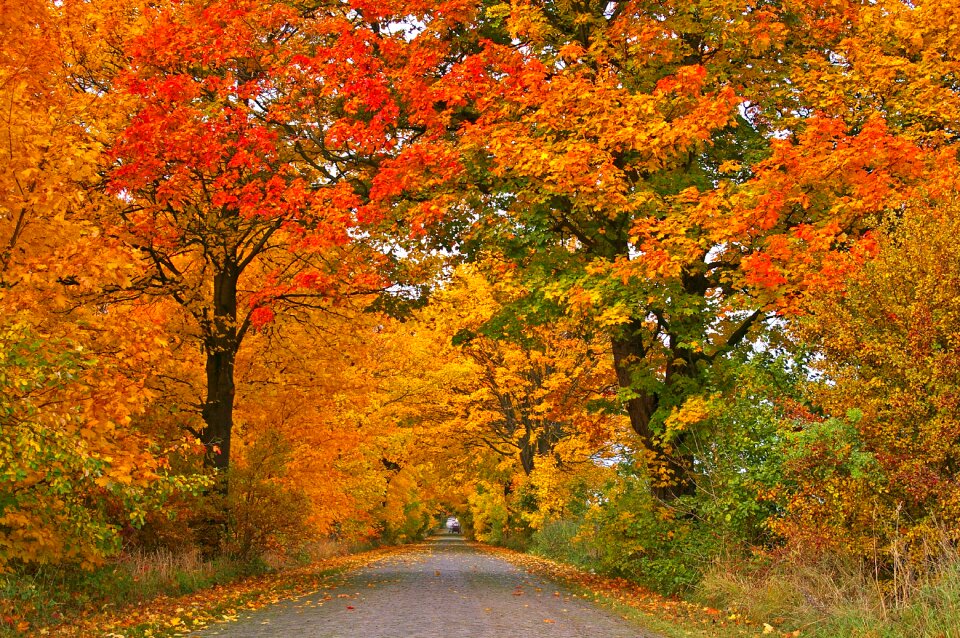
x=77 y=466
x=618 y=591
x=261 y=316
x=888 y=337
x=688 y=80
x=801 y=219
x=761 y=272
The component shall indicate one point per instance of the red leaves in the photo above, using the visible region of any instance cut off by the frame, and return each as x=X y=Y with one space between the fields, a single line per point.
x=260 y=317
x=688 y=80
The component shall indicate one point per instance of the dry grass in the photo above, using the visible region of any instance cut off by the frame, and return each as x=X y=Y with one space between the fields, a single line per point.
x=163 y=564
x=834 y=597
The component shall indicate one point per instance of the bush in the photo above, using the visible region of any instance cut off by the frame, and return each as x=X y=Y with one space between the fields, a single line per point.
x=560 y=541
x=266 y=511
x=632 y=535
x=75 y=474
x=43 y=596
x=886 y=480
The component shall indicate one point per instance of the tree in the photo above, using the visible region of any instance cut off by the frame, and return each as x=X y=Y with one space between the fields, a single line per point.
x=79 y=466
x=883 y=481
x=529 y=391
x=661 y=171
x=257 y=130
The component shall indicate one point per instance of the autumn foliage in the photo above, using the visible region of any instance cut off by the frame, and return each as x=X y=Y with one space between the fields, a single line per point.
x=635 y=284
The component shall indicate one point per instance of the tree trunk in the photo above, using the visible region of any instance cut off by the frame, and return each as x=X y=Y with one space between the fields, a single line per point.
x=218 y=408
x=220 y=346
x=628 y=353
x=526 y=454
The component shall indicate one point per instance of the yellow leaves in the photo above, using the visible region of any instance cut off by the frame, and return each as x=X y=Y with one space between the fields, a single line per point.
x=694 y=410
x=614 y=316
x=729 y=166
x=888 y=339
x=498 y=11
x=526 y=22
x=71 y=397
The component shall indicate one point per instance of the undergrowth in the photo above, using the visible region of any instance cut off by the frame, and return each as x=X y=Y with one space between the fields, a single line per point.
x=50 y=595
x=838 y=599
x=44 y=595
x=810 y=595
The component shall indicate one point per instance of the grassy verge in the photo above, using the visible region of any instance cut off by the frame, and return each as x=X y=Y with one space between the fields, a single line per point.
x=156 y=596
x=840 y=599
x=791 y=597
x=668 y=616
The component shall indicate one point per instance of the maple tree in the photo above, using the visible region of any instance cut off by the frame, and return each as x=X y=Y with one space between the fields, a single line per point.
x=245 y=166
x=79 y=465
x=523 y=420
x=660 y=171
x=356 y=394
x=529 y=391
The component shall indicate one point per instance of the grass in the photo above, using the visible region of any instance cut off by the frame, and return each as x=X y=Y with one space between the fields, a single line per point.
x=52 y=596
x=48 y=595
x=840 y=599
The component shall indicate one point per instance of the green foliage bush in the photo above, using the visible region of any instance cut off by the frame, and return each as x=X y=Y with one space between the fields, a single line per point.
x=560 y=541
x=633 y=536
x=739 y=451
x=415 y=525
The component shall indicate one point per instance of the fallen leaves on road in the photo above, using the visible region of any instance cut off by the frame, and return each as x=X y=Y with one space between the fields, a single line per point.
x=163 y=617
x=632 y=595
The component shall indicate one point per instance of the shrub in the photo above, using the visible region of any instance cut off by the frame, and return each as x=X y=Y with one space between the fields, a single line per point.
x=266 y=511
x=891 y=352
x=560 y=541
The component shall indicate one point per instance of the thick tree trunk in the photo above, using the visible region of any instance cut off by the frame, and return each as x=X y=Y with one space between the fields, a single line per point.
x=218 y=408
x=526 y=454
x=220 y=346
x=629 y=352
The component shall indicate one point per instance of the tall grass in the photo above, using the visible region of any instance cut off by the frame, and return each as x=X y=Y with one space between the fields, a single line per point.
x=832 y=597
x=48 y=595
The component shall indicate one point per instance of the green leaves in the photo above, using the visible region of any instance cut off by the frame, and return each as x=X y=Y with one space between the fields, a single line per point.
x=67 y=489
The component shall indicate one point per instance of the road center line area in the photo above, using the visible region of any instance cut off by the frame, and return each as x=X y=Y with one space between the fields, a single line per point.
x=443 y=588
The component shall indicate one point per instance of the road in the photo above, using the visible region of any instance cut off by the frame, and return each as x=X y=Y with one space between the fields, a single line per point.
x=443 y=588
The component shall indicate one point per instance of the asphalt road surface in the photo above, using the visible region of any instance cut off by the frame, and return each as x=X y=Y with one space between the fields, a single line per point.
x=443 y=588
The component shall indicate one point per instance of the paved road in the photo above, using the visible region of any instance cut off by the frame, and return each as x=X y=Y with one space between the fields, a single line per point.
x=440 y=589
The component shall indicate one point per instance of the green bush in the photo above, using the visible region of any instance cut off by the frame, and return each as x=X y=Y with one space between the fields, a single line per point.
x=737 y=451
x=634 y=536
x=559 y=540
